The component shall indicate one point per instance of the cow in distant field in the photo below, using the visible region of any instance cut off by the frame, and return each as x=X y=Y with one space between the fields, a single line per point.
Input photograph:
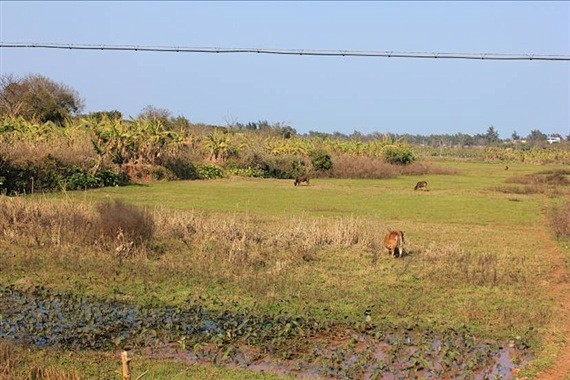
x=394 y=242
x=301 y=178
x=421 y=185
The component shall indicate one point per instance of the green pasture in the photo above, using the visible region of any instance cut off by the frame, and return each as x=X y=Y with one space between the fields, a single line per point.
x=475 y=254
x=464 y=198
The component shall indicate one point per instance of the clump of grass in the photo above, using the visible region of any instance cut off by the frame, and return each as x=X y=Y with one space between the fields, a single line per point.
x=53 y=373
x=13 y=366
x=521 y=190
x=211 y=244
x=548 y=178
x=452 y=263
x=350 y=166
x=106 y=225
x=555 y=171
x=247 y=245
x=39 y=224
x=550 y=182
x=423 y=168
x=457 y=266
x=124 y=222
x=560 y=221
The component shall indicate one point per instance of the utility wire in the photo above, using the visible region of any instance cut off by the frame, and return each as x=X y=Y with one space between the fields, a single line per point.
x=329 y=53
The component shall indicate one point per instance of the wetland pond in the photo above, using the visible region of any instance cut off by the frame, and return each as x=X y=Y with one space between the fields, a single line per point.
x=283 y=344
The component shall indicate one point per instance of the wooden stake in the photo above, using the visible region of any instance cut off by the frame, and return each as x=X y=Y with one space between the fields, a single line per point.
x=126 y=370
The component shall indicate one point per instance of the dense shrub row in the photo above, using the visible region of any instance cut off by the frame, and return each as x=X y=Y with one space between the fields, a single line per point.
x=105 y=150
x=53 y=174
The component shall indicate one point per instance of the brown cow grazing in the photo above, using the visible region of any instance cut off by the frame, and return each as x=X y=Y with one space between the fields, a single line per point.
x=394 y=242
x=301 y=178
x=421 y=185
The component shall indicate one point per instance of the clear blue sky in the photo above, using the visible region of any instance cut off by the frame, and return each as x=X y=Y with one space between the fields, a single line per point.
x=327 y=94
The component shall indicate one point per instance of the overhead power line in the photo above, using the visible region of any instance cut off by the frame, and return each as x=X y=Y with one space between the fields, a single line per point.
x=300 y=52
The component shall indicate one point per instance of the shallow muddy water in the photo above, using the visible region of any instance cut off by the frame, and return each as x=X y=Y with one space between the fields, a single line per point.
x=271 y=343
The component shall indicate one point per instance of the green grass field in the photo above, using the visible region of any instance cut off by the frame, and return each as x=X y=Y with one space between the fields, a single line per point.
x=476 y=255
x=450 y=198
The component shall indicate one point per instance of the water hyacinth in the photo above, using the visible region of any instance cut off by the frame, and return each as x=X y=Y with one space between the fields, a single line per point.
x=292 y=344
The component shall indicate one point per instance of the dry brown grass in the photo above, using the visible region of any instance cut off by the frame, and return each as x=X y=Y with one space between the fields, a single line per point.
x=551 y=183
x=351 y=166
x=548 y=178
x=235 y=243
x=53 y=373
x=457 y=266
x=76 y=151
x=231 y=246
x=423 y=168
x=213 y=245
x=102 y=226
x=560 y=221
x=241 y=246
x=13 y=366
x=123 y=222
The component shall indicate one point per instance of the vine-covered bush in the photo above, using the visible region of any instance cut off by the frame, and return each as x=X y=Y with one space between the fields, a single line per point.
x=51 y=174
x=257 y=163
x=208 y=171
x=321 y=160
x=398 y=154
x=182 y=169
x=246 y=172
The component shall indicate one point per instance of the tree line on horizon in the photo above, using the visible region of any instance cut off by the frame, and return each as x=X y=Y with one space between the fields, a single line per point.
x=37 y=98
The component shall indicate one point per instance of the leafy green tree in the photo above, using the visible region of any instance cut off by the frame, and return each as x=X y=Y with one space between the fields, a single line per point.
x=155 y=113
x=462 y=139
x=111 y=115
x=38 y=98
x=492 y=136
x=536 y=136
x=515 y=136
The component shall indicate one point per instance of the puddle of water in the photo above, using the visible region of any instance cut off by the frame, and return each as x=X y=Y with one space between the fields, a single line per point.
x=279 y=344
x=367 y=359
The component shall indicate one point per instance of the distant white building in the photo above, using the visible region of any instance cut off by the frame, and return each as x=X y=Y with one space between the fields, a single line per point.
x=553 y=139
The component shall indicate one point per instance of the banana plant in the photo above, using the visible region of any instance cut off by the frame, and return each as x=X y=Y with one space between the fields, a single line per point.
x=220 y=145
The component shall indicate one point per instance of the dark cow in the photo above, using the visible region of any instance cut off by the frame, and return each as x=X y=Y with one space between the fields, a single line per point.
x=421 y=185
x=394 y=242
x=301 y=178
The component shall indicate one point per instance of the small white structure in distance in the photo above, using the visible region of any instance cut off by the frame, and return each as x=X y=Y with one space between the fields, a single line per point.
x=553 y=139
